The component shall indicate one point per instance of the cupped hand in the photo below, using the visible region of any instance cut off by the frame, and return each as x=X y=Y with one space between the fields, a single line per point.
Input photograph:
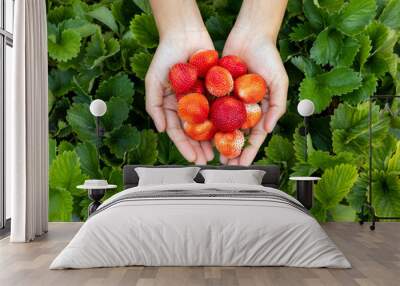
x=161 y=102
x=262 y=57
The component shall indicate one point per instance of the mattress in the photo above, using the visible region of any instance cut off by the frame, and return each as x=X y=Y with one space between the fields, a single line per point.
x=201 y=225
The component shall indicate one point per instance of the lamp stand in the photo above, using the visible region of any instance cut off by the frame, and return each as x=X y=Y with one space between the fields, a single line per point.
x=99 y=135
x=303 y=131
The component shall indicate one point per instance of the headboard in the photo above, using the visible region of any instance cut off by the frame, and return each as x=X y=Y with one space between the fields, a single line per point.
x=271 y=177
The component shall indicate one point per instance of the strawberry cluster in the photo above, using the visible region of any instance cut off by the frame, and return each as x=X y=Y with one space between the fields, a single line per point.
x=217 y=98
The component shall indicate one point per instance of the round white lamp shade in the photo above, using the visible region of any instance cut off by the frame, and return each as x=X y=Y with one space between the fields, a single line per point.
x=305 y=108
x=98 y=107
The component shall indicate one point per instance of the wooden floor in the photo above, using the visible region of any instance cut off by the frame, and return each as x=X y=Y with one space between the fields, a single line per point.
x=375 y=257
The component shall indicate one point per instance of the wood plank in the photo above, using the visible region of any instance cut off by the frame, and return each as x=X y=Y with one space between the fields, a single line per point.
x=375 y=257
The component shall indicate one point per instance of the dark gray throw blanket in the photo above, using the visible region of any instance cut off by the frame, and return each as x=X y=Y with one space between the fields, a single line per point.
x=203 y=194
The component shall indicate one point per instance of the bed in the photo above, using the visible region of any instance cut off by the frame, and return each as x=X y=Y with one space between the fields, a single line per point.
x=198 y=224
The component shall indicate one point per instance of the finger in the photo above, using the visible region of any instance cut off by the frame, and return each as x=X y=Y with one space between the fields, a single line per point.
x=207 y=149
x=170 y=102
x=223 y=159
x=234 y=162
x=256 y=139
x=277 y=102
x=200 y=157
x=179 y=138
x=154 y=102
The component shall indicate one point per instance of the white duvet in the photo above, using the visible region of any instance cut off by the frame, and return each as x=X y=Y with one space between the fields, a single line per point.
x=200 y=231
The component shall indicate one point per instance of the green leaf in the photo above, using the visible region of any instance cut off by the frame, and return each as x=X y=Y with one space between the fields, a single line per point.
x=321 y=134
x=104 y=15
x=386 y=193
x=326 y=47
x=367 y=89
x=279 y=151
x=350 y=128
x=140 y=63
x=330 y=5
x=64 y=146
x=301 y=32
x=322 y=87
x=394 y=161
x=168 y=154
x=64 y=46
x=60 y=13
x=144 y=30
x=85 y=80
x=357 y=195
x=100 y=49
x=294 y=7
x=144 y=5
x=116 y=86
x=117 y=113
x=377 y=64
x=382 y=155
x=335 y=184
x=323 y=160
x=82 y=122
x=391 y=14
x=122 y=140
x=319 y=212
x=303 y=169
x=343 y=213
x=310 y=89
x=306 y=65
x=147 y=152
x=299 y=145
x=65 y=172
x=313 y=14
x=52 y=150
x=89 y=160
x=348 y=53
x=60 y=81
x=60 y=205
x=355 y=16
x=365 y=49
x=95 y=49
x=339 y=81
x=378 y=34
x=82 y=26
x=219 y=26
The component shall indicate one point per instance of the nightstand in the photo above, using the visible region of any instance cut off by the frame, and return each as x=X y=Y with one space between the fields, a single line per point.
x=96 y=190
x=304 y=190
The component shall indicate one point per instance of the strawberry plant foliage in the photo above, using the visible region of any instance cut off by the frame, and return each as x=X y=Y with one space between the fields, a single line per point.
x=337 y=53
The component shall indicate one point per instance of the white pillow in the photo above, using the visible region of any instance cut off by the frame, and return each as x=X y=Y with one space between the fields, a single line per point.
x=248 y=177
x=165 y=176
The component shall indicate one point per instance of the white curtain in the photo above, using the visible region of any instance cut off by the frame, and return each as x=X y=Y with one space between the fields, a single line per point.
x=27 y=124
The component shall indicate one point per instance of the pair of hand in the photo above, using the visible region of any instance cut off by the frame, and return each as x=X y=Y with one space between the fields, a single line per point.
x=261 y=56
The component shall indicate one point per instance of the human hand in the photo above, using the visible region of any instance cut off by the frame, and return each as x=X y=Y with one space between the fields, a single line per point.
x=262 y=57
x=161 y=102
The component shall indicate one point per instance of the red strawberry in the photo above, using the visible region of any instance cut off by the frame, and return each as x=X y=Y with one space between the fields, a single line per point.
x=251 y=88
x=234 y=65
x=203 y=60
x=219 y=81
x=193 y=108
x=198 y=87
x=182 y=77
x=228 y=113
x=253 y=115
x=229 y=144
x=200 y=132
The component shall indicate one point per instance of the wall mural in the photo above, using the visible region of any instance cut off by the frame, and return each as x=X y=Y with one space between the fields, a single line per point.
x=102 y=49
